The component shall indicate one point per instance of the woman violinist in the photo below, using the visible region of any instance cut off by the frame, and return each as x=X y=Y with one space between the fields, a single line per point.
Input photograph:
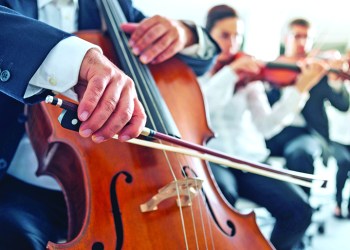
x=308 y=136
x=32 y=209
x=242 y=117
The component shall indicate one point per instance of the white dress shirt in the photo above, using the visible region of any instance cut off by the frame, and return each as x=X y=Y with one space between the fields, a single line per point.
x=242 y=120
x=60 y=69
x=339 y=130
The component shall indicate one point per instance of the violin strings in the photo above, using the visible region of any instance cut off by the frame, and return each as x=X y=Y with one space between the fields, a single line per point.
x=123 y=40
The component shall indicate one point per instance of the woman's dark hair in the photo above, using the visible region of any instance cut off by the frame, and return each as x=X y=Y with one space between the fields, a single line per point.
x=218 y=13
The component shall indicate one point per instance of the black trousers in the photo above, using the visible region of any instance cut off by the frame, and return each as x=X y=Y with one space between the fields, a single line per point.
x=287 y=203
x=341 y=154
x=298 y=147
x=30 y=216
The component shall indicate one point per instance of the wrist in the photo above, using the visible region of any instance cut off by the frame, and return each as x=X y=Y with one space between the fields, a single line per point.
x=301 y=87
x=89 y=59
x=190 y=32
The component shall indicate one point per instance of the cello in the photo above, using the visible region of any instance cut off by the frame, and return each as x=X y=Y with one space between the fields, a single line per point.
x=109 y=188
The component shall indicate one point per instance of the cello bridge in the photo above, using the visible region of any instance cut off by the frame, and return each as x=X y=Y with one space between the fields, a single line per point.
x=184 y=190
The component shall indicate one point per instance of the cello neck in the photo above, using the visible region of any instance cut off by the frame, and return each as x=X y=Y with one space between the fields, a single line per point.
x=159 y=117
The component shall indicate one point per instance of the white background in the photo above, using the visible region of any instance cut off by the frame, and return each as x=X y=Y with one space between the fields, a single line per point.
x=265 y=19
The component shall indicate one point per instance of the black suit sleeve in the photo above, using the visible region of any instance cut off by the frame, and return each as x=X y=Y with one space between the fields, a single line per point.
x=339 y=99
x=25 y=43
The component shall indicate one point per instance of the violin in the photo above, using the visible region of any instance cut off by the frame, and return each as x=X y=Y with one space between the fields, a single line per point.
x=281 y=72
x=284 y=71
x=124 y=196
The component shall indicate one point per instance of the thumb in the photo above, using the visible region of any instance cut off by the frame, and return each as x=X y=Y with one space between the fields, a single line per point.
x=129 y=27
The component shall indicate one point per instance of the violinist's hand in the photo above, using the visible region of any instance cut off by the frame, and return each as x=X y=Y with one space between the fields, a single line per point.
x=311 y=74
x=340 y=64
x=246 y=64
x=156 y=39
x=108 y=101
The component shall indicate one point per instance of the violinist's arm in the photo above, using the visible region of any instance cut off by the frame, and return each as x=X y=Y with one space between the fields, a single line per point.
x=271 y=120
x=219 y=88
x=337 y=94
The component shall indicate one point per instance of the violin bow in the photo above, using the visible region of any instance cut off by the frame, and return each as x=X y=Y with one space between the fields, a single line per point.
x=195 y=150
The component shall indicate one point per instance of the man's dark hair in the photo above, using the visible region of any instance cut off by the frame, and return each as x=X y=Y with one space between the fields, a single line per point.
x=218 y=13
x=299 y=22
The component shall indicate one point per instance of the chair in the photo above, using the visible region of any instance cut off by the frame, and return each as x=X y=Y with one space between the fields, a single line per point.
x=318 y=199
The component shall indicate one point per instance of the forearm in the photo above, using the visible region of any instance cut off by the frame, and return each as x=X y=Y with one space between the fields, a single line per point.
x=271 y=120
x=339 y=98
x=218 y=90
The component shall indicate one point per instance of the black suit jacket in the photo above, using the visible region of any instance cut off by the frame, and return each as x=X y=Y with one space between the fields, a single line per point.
x=314 y=111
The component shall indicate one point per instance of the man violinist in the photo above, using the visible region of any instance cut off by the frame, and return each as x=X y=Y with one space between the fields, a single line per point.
x=36 y=58
x=308 y=135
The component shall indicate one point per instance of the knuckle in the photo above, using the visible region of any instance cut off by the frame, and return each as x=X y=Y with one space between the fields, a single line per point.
x=138 y=32
x=129 y=83
x=155 y=50
x=115 y=127
x=108 y=71
x=92 y=100
x=172 y=50
x=111 y=130
x=110 y=104
x=158 y=17
x=151 y=35
x=143 y=115
x=97 y=87
x=126 y=115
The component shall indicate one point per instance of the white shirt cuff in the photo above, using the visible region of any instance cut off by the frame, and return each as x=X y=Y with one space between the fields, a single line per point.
x=293 y=95
x=204 y=49
x=60 y=69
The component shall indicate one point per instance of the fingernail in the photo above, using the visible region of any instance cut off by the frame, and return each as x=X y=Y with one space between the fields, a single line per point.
x=144 y=59
x=86 y=132
x=136 y=51
x=98 y=139
x=124 y=137
x=131 y=43
x=83 y=117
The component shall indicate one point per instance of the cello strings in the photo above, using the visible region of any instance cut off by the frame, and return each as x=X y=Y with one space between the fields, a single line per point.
x=123 y=40
x=187 y=160
x=143 y=74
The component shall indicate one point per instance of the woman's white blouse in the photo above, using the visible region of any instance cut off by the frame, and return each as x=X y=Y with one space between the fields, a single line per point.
x=242 y=120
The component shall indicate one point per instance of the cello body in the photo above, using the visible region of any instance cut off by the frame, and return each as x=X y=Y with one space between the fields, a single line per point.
x=106 y=184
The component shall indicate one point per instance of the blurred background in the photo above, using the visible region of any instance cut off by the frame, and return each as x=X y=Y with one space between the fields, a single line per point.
x=265 y=20
x=265 y=23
